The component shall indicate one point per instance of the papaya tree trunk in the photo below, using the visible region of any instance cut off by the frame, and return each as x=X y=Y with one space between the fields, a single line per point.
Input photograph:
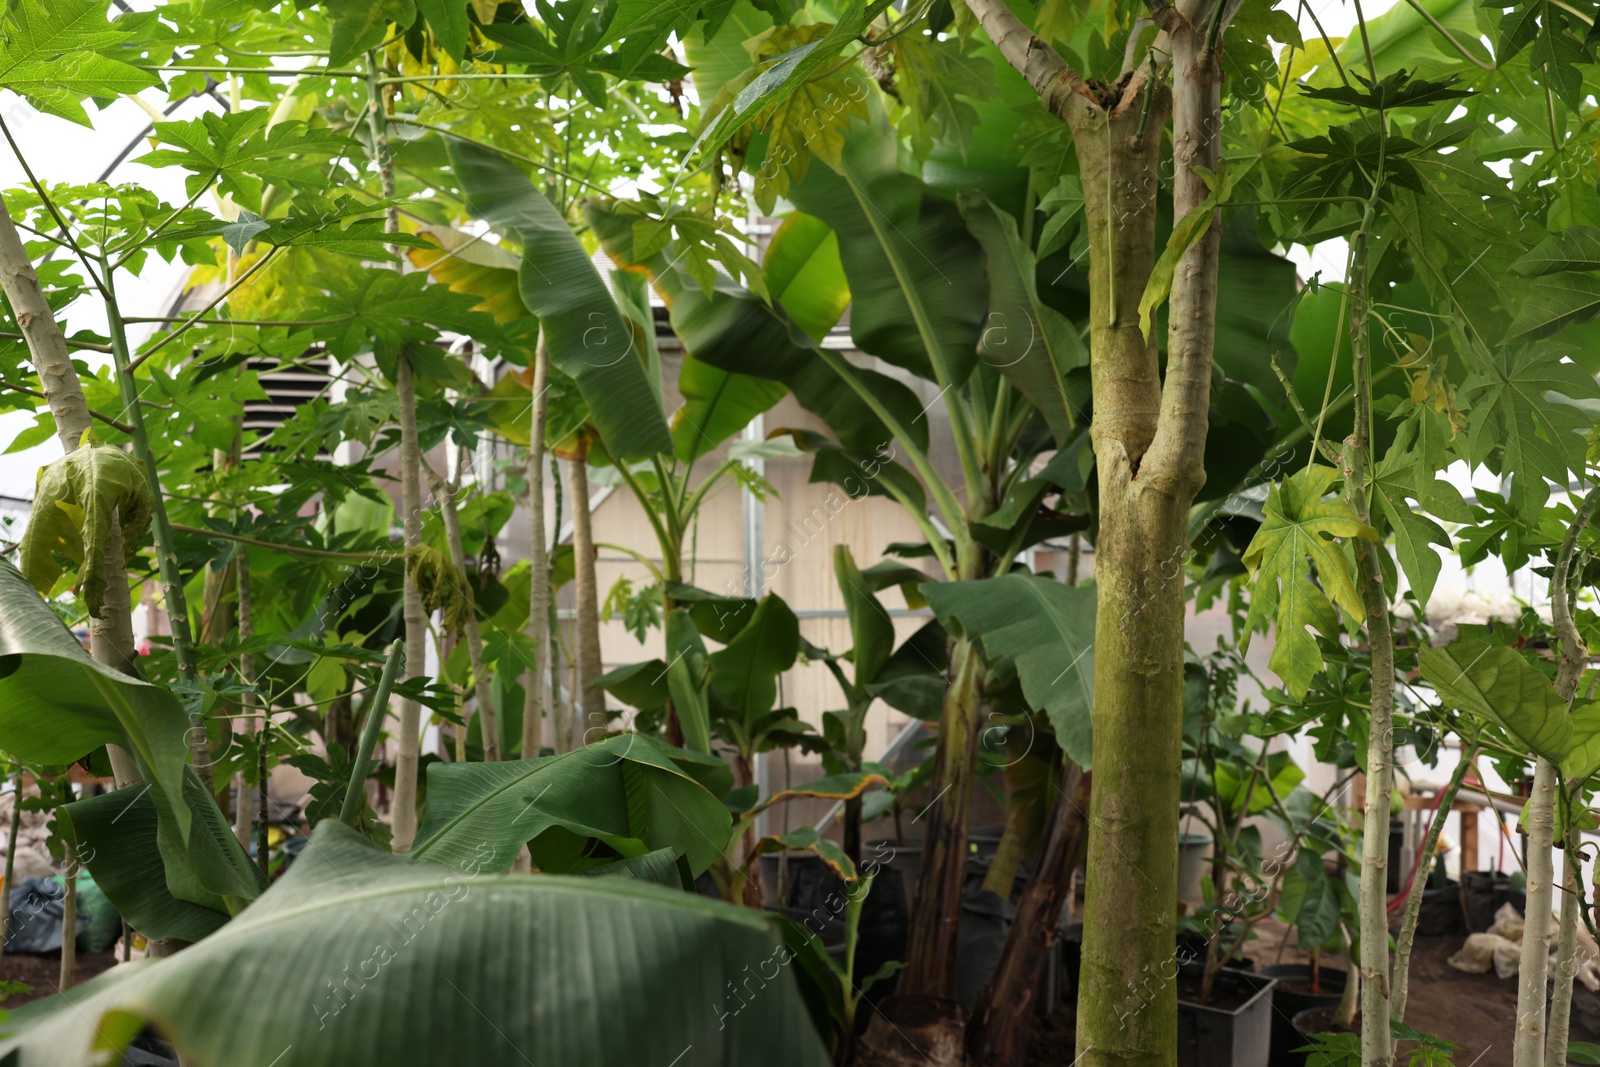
x=1527 y=1049
x=1003 y=1022
x=242 y=814
x=488 y=727
x=1149 y=438
x=403 y=809
x=539 y=632
x=111 y=633
x=593 y=698
x=1377 y=1046
x=1574 y=657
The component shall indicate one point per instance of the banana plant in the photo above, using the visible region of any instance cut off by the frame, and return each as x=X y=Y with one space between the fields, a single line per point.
x=314 y=968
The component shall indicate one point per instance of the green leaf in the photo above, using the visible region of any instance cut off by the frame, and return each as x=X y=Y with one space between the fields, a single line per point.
x=1023 y=338
x=610 y=970
x=587 y=336
x=362 y=24
x=917 y=281
x=116 y=836
x=1393 y=482
x=1513 y=414
x=1574 y=248
x=57 y=704
x=744 y=674
x=1554 y=303
x=1298 y=530
x=1583 y=759
x=787 y=75
x=804 y=274
x=1496 y=684
x=871 y=628
x=807 y=839
x=735 y=330
x=53 y=55
x=659 y=868
x=74 y=504
x=1046 y=629
x=625 y=791
x=1189 y=229
x=716 y=405
x=451 y=27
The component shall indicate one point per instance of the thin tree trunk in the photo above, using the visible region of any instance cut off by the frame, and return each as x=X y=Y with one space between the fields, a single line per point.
x=11 y=860
x=1574 y=657
x=403 y=807
x=69 y=921
x=1003 y=1023
x=1527 y=1050
x=247 y=702
x=1377 y=1046
x=588 y=614
x=1555 y=1049
x=541 y=676
x=46 y=344
x=1419 y=884
x=111 y=634
x=488 y=726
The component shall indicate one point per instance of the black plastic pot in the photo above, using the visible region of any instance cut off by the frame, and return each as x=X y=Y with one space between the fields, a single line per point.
x=814 y=897
x=1397 y=831
x=1482 y=894
x=1305 y=1026
x=1440 y=912
x=1288 y=1001
x=1210 y=1035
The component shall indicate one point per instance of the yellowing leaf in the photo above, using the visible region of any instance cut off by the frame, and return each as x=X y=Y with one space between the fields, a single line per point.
x=1301 y=529
x=71 y=518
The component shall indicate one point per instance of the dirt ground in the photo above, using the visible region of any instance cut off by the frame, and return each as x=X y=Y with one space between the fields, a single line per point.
x=1475 y=1011
x=42 y=972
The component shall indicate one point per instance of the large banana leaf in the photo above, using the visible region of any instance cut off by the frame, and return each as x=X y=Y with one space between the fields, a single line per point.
x=1025 y=339
x=805 y=275
x=733 y=329
x=359 y=957
x=116 y=835
x=917 y=280
x=625 y=792
x=587 y=336
x=1042 y=629
x=57 y=704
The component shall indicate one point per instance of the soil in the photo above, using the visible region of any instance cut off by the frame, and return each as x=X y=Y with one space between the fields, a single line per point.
x=1225 y=995
x=1321 y=1021
x=41 y=972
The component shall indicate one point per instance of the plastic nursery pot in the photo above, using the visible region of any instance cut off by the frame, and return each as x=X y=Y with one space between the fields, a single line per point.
x=1319 y=1021
x=1483 y=892
x=1192 y=852
x=1292 y=995
x=1233 y=1029
x=1440 y=912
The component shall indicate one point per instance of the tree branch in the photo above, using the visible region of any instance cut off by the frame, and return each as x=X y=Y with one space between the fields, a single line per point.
x=1061 y=89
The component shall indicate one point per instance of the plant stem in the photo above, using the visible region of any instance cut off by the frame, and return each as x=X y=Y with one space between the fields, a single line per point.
x=541 y=673
x=350 y=810
x=1419 y=882
x=488 y=726
x=11 y=861
x=1574 y=656
x=69 y=919
x=592 y=697
x=1377 y=1047
x=403 y=810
